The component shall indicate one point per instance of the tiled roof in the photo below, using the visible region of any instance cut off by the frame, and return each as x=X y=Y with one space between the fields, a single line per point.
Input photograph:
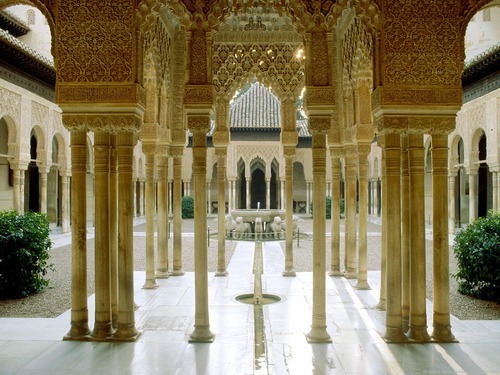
x=256 y=108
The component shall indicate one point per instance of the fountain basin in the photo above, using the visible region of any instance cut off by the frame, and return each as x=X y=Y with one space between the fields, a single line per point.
x=265 y=215
x=264 y=299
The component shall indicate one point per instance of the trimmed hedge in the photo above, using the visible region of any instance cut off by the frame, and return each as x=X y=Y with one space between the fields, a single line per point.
x=187 y=207
x=24 y=253
x=477 y=251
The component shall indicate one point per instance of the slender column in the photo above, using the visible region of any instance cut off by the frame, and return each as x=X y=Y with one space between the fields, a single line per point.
x=392 y=196
x=142 y=199
x=209 y=195
x=268 y=193
x=441 y=306
x=282 y=195
x=335 y=154
x=125 y=330
x=43 y=189
x=199 y=126
x=162 y=240
x=150 y=282
x=103 y=328
x=113 y=229
x=382 y=303
x=221 y=212
x=498 y=191
x=79 y=310
x=405 y=233
x=170 y=203
x=248 y=191
x=418 y=314
x=495 y=190
x=319 y=125
x=177 y=211
x=17 y=190
x=472 y=195
x=351 y=271
x=308 y=198
x=363 y=151
x=451 y=203
x=65 y=203
x=289 y=153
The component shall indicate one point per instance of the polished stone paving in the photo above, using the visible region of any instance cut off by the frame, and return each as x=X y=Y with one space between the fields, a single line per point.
x=165 y=316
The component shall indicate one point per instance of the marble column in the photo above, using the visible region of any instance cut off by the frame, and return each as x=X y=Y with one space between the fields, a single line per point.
x=308 y=198
x=248 y=181
x=65 y=212
x=79 y=310
x=362 y=283
x=177 y=211
x=451 y=202
x=289 y=153
x=142 y=199
x=282 y=195
x=472 y=195
x=43 y=172
x=221 y=211
x=319 y=125
x=209 y=196
x=335 y=154
x=405 y=233
x=103 y=324
x=392 y=149
x=125 y=329
x=268 y=192
x=498 y=191
x=150 y=281
x=351 y=271
x=382 y=303
x=113 y=229
x=440 y=247
x=199 y=126
x=162 y=239
x=495 y=189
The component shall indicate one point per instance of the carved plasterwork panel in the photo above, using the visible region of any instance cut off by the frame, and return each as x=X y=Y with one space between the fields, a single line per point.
x=476 y=116
x=39 y=114
x=95 y=41
x=10 y=104
x=266 y=151
x=422 y=43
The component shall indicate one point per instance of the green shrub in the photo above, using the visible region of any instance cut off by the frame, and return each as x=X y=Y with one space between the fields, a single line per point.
x=328 y=203
x=477 y=251
x=24 y=252
x=187 y=207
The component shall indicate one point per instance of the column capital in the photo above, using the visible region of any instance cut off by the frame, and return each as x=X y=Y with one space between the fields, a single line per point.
x=221 y=138
x=319 y=124
x=364 y=149
x=177 y=151
x=221 y=152
x=111 y=122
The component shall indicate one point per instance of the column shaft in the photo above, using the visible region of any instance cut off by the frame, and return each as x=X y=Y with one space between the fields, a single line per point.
x=440 y=251
x=201 y=331
x=351 y=271
x=221 y=212
x=113 y=229
x=289 y=271
x=79 y=310
x=103 y=325
x=43 y=190
x=162 y=240
x=451 y=204
x=125 y=329
x=405 y=233
x=392 y=149
x=335 y=220
x=363 y=217
x=248 y=191
x=318 y=332
x=177 y=214
x=65 y=204
x=472 y=196
x=150 y=281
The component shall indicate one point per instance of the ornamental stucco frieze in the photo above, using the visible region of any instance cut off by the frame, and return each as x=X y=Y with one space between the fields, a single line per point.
x=421 y=96
x=39 y=114
x=108 y=93
x=95 y=41
x=113 y=123
x=198 y=94
x=10 y=104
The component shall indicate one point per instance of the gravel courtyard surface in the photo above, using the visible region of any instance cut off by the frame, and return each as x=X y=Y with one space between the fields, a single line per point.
x=56 y=299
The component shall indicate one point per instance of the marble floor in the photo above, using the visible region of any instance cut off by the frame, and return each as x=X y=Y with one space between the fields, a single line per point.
x=165 y=317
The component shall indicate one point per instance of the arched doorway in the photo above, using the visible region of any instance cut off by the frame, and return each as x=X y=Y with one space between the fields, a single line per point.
x=461 y=188
x=32 y=183
x=258 y=184
x=242 y=185
x=6 y=175
x=54 y=189
x=485 y=183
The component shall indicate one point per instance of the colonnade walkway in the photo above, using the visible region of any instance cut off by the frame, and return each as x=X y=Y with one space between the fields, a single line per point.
x=165 y=316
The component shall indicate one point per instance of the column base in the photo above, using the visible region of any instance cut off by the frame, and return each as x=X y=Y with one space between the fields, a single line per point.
x=394 y=334
x=102 y=332
x=418 y=334
x=162 y=274
x=381 y=305
x=79 y=331
x=291 y=273
x=335 y=273
x=351 y=273
x=177 y=273
x=150 y=284
x=318 y=335
x=201 y=334
x=362 y=285
x=442 y=333
x=126 y=332
x=221 y=273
